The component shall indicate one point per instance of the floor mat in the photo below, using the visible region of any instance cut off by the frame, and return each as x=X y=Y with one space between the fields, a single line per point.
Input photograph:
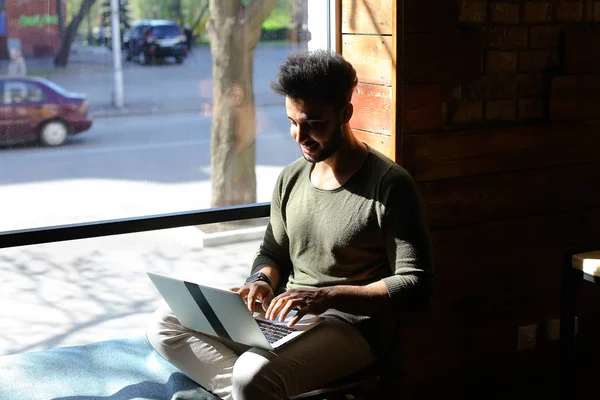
x=121 y=369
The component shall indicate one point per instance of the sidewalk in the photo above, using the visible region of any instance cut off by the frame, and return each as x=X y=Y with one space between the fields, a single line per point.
x=82 y=59
x=78 y=292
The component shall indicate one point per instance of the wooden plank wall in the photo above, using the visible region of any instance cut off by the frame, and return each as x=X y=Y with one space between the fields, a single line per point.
x=505 y=200
x=367 y=41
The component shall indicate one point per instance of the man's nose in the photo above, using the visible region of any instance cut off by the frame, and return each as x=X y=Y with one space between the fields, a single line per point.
x=301 y=134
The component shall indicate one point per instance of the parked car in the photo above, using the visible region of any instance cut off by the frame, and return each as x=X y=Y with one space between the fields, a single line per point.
x=155 y=40
x=38 y=109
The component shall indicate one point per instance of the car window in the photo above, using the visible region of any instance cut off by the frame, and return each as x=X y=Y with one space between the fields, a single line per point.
x=137 y=33
x=163 y=31
x=55 y=87
x=22 y=92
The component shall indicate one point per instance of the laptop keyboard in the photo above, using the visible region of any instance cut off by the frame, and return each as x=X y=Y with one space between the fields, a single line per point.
x=274 y=332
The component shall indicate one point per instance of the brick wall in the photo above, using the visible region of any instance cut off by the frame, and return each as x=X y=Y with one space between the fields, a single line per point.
x=508 y=190
x=36 y=41
x=522 y=48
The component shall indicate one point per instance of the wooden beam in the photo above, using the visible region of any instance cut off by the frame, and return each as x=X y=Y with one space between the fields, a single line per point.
x=483 y=198
x=464 y=153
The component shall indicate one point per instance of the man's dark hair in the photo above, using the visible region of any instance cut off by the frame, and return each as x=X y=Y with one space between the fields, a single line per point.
x=316 y=74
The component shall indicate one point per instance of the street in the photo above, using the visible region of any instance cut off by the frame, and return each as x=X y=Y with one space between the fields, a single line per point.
x=153 y=157
x=129 y=166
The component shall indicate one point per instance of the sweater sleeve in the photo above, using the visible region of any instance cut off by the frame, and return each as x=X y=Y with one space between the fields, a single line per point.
x=274 y=248
x=408 y=244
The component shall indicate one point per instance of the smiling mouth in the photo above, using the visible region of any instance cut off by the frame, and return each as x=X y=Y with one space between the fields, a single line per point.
x=310 y=148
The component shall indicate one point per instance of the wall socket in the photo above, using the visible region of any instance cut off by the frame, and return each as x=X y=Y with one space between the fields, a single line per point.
x=527 y=337
x=553 y=328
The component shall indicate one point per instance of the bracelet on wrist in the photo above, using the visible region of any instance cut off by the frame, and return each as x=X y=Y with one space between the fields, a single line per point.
x=259 y=276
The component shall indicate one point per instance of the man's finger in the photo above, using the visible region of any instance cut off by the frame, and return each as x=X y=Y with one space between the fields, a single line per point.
x=301 y=313
x=271 y=306
x=275 y=307
x=266 y=301
x=242 y=291
x=289 y=306
x=253 y=296
x=250 y=301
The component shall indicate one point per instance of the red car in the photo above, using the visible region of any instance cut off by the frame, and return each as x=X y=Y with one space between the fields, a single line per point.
x=38 y=109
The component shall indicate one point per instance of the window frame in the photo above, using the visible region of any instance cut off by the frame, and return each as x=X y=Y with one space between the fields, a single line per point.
x=86 y=230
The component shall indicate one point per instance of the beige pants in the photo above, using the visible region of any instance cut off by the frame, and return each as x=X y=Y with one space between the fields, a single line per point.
x=233 y=371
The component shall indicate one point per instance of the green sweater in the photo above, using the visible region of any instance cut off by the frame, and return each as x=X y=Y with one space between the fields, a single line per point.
x=371 y=228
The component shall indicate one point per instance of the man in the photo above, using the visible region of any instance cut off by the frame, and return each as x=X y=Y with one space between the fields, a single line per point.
x=100 y=38
x=16 y=65
x=347 y=239
x=188 y=37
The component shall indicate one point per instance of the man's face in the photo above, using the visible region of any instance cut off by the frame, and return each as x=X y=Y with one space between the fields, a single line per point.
x=316 y=128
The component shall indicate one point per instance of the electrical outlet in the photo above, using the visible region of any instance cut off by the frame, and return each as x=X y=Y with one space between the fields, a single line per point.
x=553 y=328
x=527 y=337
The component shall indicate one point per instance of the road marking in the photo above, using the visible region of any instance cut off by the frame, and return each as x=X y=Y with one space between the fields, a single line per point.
x=62 y=152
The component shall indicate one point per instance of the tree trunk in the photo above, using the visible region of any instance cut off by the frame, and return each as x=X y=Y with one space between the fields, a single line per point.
x=234 y=31
x=90 y=36
x=61 y=17
x=233 y=149
x=62 y=57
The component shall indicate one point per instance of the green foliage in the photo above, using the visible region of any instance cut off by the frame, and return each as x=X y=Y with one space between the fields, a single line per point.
x=164 y=9
x=89 y=22
x=181 y=11
x=188 y=11
x=280 y=17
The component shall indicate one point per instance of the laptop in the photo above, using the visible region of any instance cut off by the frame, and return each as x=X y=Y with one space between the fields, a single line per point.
x=223 y=313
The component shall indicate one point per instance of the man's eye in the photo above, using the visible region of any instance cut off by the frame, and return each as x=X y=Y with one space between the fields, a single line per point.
x=292 y=122
x=314 y=125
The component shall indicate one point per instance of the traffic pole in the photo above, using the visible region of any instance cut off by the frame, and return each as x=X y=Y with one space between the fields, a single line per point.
x=118 y=100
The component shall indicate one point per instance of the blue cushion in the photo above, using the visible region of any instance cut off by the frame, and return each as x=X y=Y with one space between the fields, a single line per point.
x=114 y=369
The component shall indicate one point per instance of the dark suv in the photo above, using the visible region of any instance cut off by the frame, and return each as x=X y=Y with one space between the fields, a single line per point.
x=155 y=40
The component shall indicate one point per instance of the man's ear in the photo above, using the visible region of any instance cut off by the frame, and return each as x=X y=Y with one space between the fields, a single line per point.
x=347 y=113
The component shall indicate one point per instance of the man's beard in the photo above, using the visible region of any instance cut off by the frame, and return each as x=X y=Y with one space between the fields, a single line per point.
x=328 y=148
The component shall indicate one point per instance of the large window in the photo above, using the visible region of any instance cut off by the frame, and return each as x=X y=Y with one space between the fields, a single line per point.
x=199 y=128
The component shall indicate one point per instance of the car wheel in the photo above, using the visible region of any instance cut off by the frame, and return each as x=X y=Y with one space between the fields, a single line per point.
x=53 y=133
x=179 y=59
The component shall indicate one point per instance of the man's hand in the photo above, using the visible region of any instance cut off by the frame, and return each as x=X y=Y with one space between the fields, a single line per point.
x=257 y=290
x=306 y=301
